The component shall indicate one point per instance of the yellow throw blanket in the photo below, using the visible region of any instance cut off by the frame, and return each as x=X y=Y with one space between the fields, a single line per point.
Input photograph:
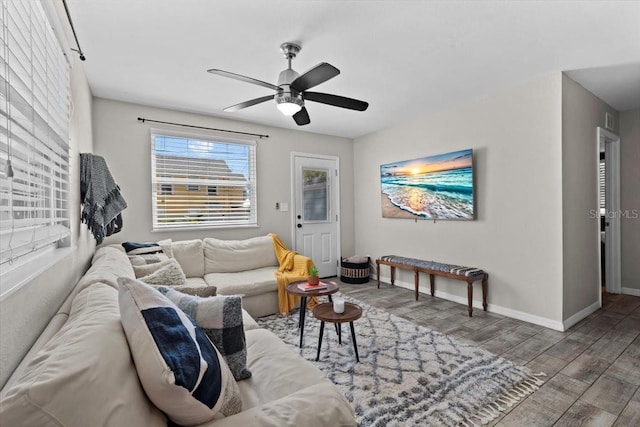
x=292 y=269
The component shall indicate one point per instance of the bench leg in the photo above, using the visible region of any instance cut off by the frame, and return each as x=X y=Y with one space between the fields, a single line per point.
x=432 y=283
x=393 y=275
x=485 y=282
x=416 y=279
x=378 y=269
x=470 y=297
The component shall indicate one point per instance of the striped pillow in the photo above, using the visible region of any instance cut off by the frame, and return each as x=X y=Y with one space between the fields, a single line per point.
x=220 y=317
x=180 y=370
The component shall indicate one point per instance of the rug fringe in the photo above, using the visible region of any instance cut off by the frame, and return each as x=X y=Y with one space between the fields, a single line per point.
x=510 y=398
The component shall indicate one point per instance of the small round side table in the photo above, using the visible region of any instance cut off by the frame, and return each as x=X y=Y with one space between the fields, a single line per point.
x=324 y=312
x=328 y=288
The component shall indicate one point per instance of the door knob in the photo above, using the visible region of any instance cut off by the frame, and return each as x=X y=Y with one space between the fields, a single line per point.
x=299 y=225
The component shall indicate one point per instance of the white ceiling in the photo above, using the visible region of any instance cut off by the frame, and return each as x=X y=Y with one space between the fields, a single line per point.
x=406 y=58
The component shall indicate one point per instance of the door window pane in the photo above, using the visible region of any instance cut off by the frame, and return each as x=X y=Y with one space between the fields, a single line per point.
x=315 y=185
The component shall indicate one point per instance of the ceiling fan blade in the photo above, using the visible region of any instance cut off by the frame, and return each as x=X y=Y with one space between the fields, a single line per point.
x=242 y=78
x=335 y=100
x=249 y=103
x=302 y=117
x=318 y=74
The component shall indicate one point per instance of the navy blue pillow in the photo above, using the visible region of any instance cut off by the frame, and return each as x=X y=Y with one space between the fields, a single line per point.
x=133 y=248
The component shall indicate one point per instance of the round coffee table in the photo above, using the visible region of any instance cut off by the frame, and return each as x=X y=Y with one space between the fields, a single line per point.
x=327 y=288
x=324 y=313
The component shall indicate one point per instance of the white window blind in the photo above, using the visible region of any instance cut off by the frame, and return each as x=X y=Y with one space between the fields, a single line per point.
x=192 y=167
x=34 y=121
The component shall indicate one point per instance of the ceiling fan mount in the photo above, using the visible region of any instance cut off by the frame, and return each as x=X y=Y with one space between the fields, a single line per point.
x=290 y=50
x=291 y=92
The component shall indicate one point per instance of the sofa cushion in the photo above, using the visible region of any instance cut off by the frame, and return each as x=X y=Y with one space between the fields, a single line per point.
x=84 y=375
x=247 y=283
x=107 y=265
x=190 y=255
x=220 y=317
x=248 y=322
x=229 y=256
x=319 y=405
x=167 y=273
x=181 y=371
x=278 y=371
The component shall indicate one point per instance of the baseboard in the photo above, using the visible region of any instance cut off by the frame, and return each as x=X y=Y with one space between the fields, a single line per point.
x=567 y=323
x=492 y=308
x=631 y=291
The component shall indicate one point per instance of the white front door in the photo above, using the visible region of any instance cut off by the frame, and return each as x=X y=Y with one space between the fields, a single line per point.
x=316 y=210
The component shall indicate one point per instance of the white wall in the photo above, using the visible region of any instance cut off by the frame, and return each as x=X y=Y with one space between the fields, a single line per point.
x=582 y=113
x=25 y=312
x=126 y=145
x=517 y=236
x=630 y=200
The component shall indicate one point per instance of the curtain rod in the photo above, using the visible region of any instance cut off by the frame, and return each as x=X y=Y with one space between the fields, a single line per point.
x=73 y=30
x=142 y=119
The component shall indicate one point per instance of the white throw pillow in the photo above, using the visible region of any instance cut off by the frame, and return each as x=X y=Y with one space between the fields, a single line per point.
x=166 y=247
x=180 y=370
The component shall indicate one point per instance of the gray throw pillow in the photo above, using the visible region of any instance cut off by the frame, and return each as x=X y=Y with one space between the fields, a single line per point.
x=167 y=273
x=220 y=317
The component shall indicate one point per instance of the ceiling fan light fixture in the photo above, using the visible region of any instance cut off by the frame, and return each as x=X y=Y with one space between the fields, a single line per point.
x=289 y=105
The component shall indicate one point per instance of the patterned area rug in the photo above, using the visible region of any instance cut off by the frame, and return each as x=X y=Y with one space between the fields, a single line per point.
x=408 y=374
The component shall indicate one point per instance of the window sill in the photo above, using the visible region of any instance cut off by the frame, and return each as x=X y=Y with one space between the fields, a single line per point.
x=29 y=269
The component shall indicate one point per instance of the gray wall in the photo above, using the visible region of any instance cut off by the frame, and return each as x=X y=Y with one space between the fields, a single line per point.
x=126 y=145
x=25 y=312
x=630 y=200
x=517 y=236
x=582 y=113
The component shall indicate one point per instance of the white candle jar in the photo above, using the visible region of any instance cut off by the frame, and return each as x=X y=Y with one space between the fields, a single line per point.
x=338 y=305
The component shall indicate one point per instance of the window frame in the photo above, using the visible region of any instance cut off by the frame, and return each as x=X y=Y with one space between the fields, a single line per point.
x=190 y=221
x=166 y=189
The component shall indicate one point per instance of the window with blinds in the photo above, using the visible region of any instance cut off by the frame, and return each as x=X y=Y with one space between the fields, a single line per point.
x=202 y=183
x=34 y=135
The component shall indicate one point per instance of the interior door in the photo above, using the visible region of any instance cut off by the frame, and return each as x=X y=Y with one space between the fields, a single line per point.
x=316 y=210
x=610 y=142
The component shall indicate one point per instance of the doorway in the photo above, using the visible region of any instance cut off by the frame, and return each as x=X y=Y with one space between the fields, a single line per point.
x=316 y=195
x=609 y=245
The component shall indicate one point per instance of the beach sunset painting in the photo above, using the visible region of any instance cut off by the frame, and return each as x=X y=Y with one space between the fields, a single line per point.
x=435 y=187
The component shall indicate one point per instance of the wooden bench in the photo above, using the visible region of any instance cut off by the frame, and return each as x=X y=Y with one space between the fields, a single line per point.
x=467 y=274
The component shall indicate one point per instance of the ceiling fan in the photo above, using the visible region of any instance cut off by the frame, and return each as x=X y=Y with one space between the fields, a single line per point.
x=292 y=88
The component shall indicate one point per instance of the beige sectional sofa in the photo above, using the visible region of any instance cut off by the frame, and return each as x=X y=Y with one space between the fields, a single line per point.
x=233 y=267
x=80 y=371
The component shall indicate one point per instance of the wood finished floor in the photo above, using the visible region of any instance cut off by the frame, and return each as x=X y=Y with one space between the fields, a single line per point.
x=593 y=369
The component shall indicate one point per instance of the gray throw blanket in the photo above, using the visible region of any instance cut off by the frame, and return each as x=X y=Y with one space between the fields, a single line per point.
x=102 y=202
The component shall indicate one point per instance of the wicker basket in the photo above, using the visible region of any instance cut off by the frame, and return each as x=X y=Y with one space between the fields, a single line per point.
x=354 y=272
